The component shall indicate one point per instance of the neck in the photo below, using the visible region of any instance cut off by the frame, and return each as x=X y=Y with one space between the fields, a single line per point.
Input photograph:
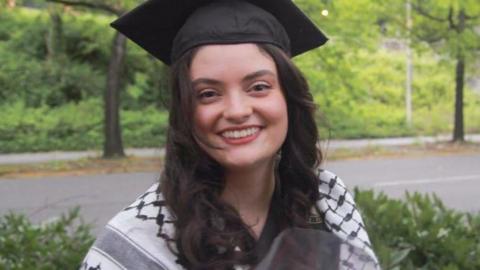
x=250 y=191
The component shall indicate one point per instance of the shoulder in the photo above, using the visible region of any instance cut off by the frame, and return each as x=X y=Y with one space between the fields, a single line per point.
x=340 y=213
x=332 y=189
x=136 y=238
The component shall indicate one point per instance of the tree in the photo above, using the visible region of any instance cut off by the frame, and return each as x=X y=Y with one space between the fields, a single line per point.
x=356 y=25
x=55 y=33
x=113 y=146
x=449 y=27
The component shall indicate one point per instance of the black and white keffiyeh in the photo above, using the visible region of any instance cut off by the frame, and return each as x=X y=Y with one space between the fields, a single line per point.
x=139 y=236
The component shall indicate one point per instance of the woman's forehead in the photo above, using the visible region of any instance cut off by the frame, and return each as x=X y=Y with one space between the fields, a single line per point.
x=233 y=60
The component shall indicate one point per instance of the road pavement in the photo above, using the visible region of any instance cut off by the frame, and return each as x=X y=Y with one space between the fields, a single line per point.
x=454 y=178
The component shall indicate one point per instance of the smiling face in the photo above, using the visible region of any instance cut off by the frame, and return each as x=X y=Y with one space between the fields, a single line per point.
x=240 y=115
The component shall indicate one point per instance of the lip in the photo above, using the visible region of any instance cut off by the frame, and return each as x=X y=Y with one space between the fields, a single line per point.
x=243 y=140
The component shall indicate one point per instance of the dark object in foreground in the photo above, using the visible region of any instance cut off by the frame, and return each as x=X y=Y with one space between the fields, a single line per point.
x=307 y=249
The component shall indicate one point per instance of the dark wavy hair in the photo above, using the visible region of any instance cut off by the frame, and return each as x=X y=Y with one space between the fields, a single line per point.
x=207 y=228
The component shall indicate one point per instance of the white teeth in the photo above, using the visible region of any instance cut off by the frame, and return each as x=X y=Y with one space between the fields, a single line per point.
x=237 y=134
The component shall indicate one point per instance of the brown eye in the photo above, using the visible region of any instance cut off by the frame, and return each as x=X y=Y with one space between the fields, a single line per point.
x=207 y=95
x=260 y=87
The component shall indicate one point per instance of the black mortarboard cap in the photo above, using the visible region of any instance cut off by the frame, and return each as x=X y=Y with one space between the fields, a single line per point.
x=168 y=28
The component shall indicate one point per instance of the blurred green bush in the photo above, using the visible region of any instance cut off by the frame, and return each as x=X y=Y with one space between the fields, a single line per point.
x=75 y=127
x=53 y=103
x=58 y=244
x=78 y=70
x=420 y=232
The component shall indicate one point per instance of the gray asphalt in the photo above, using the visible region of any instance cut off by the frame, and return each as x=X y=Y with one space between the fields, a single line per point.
x=455 y=179
x=99 y=196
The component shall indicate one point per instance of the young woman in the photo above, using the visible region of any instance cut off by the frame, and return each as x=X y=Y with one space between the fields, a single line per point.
x=242 y=163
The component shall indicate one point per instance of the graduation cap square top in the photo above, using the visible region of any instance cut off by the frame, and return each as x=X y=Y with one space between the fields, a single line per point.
x=168 y=28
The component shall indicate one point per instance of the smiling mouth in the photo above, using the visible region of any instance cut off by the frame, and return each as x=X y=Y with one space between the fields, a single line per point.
x=240 y=136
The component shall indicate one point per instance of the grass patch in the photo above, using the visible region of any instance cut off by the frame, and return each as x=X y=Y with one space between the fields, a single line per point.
x=82 y=166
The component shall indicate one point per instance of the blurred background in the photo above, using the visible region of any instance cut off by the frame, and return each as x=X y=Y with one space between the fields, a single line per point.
x=402 y=69
x=387 y=71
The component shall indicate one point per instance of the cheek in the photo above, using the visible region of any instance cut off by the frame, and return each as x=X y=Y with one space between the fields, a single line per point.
x=203 y=120
x=202 y=126
x=278 y=112
x=283 y=119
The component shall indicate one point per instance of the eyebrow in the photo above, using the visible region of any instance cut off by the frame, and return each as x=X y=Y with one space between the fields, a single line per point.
x=248 y=77
x=257 y=74
x=205 y=81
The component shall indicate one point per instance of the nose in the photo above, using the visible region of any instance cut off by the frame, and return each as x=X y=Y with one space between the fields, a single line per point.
x=237 y=108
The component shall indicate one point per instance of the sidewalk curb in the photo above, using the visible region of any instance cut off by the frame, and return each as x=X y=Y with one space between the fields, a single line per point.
x=394 y=141
x=27 y=158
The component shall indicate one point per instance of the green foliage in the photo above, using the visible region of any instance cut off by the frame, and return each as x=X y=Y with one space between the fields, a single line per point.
x=472 y=114
x=351 y=23
x=87 y=39
x=40 y=83
x=363 y=94
x=456 y=39
x=74 y=127
x=23 y=30
x=360 y=87
x=147 y=81
x=420 y=233
x=29 y=73
x=26 y=74
x=69 y=127
x=144 y=128
x=58 y=244
x=357 y=83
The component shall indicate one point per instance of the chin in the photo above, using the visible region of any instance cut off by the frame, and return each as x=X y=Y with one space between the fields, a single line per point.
x=245 y=164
